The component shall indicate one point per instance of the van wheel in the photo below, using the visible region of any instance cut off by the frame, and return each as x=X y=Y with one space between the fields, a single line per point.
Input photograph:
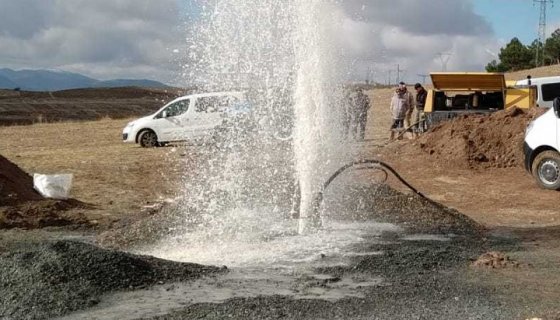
x=546 y=169
x=148 y=139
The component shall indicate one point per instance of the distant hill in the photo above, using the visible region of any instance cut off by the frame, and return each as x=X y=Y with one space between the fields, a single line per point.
x=48 y=80
x=7 y=83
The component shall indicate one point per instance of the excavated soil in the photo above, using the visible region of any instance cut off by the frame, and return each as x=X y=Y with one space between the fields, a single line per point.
x=23 y=207
x=54 y=278
x=16 y=186
x=479 y=141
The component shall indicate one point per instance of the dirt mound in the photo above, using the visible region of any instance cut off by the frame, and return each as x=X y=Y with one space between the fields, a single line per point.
x=53 y=279
x=16 y=186
x=480 y=141
x=23 y=207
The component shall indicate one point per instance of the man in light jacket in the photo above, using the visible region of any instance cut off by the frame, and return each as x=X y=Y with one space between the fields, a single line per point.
x=410 y=100
x=400 y=106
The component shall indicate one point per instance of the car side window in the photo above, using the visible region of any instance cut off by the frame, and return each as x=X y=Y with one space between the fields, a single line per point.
x=177 y=108
x=550 y=91
x=214 y=103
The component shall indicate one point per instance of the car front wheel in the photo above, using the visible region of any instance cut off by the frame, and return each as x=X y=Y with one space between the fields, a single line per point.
x=148 y=139
x=546 y=170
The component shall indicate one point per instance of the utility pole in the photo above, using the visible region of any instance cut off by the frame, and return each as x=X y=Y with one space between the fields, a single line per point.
x=539 y=59
x=444 y=58
x=399 y=71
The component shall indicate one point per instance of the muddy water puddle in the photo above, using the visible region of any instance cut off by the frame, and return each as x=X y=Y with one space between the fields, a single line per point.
x=282 y=264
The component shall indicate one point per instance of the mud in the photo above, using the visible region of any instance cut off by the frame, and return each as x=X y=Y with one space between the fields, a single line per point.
x=421 y=280
x=49 y=279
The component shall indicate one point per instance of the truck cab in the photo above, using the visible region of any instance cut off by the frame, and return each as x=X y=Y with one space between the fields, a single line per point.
x=542 y=148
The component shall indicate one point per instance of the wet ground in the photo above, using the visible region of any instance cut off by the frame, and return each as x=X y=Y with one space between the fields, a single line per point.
x=367 y=262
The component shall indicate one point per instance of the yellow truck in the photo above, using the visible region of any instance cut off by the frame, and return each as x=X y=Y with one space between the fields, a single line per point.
x=458 y=93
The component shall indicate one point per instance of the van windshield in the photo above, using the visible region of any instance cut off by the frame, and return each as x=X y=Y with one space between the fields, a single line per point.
x=550 y=91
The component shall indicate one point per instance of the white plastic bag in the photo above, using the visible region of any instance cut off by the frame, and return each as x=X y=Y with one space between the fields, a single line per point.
x=55 y=186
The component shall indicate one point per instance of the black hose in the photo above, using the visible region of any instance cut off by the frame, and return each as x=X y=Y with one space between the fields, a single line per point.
x=318 y=199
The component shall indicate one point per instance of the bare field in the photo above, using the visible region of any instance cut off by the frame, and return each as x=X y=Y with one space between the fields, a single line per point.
x=116 y=178
x=119 y=179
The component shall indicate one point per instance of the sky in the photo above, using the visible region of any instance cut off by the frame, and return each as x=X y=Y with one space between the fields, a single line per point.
x=108 y=39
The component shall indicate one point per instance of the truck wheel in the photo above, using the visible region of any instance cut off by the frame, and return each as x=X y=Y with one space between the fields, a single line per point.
x=148 y=139
x=546 y=169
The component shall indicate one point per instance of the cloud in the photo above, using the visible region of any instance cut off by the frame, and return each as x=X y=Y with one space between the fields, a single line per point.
x=147 y=39
x=134 y=37
x=412 y=34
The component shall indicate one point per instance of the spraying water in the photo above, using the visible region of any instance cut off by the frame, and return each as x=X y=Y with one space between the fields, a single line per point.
x=283 y=52
x=283 y=56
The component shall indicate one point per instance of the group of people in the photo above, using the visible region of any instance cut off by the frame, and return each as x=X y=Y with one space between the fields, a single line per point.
x=356 y=113
x=403 y=105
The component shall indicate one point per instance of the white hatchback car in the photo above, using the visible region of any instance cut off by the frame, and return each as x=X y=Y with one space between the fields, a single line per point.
x=185 y=118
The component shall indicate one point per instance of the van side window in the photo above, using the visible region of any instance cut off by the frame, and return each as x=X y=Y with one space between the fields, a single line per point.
x=550 y=91
x=178 y=108
x=214 y=103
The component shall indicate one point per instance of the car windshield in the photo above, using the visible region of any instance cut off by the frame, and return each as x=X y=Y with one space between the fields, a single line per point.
x=177 y=108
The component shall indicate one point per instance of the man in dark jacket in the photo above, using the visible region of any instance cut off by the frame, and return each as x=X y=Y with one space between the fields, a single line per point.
x=421 y=95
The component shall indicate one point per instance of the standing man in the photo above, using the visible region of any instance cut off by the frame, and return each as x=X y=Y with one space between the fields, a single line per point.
x=410 y=102
x=400 y=104
x=362 y=105
x=421 y=95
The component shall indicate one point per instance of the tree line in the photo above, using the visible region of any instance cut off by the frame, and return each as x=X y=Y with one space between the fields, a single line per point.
x=517 y=56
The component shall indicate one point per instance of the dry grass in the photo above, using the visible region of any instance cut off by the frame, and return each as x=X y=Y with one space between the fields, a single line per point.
x=548 y=71
x=116 y=177
x=379 y=118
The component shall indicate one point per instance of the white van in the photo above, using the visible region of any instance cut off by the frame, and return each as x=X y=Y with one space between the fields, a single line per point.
x=542 y=148
x=185 y=118
x=548 y=88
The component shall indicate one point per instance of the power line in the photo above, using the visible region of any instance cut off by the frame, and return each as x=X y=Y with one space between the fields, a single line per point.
x=542 y=29
x=444 y=58
x=399 y=71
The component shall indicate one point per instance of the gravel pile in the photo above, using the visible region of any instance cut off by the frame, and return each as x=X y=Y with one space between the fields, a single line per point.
x=382 y=203
x=55 y=278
